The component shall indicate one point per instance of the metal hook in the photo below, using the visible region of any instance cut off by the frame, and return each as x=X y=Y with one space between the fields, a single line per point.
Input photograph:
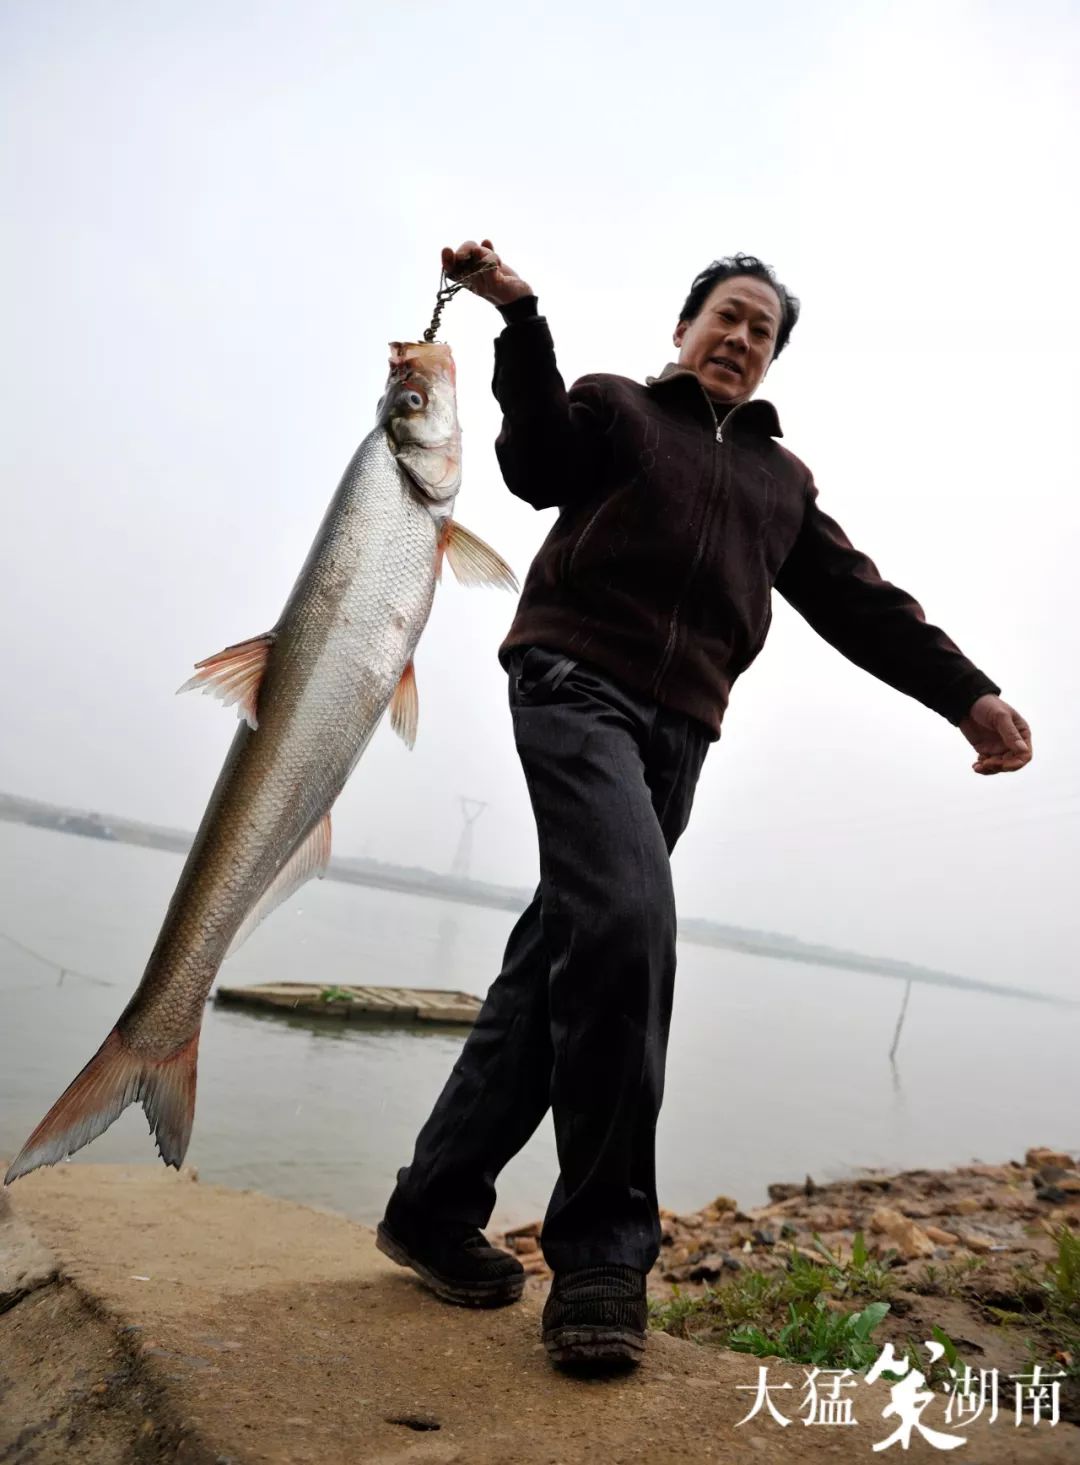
x=447 y=291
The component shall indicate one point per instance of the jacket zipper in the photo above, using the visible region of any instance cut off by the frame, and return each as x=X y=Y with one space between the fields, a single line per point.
x=673 y=631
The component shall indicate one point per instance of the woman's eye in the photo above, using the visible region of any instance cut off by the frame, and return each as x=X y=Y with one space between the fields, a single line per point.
x=414 y=399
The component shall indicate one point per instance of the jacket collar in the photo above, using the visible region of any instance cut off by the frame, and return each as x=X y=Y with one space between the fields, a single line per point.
x=757 y=415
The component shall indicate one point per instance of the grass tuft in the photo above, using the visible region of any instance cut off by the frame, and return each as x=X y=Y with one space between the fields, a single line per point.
x=1061 y=1279
x=796 y=1314
x=816 y=1334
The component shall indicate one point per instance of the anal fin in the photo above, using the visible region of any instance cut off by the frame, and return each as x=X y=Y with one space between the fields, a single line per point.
x=310 y=857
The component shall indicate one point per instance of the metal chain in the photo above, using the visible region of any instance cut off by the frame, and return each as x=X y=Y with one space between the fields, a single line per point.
x=447 y=293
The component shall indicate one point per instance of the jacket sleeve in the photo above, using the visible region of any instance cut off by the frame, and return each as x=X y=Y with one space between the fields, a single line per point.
x=552 y=448
x=873 y=623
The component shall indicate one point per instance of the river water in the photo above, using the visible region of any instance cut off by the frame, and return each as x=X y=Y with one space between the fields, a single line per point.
x=776 y=1069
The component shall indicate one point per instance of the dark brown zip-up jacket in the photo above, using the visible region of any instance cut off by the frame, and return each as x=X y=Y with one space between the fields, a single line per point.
x=674 y=529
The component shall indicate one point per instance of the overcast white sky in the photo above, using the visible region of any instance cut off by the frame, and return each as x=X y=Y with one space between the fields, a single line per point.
x=219 y=214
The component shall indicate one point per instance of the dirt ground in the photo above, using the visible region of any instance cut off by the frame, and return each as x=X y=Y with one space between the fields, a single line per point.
x=146 y=1317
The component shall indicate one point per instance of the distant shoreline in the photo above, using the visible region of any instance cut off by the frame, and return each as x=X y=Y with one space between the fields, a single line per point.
x=413 y=880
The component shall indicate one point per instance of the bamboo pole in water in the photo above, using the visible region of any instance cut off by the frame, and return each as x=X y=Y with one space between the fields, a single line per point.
x=900 y=1019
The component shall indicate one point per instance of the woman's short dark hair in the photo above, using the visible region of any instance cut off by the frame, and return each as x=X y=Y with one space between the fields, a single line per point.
x=743 y=264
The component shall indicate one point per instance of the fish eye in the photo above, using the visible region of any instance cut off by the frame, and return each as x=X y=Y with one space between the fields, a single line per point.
x=414 y=399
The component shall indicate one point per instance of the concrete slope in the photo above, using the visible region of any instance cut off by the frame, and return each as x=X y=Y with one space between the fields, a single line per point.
x=197 y=1324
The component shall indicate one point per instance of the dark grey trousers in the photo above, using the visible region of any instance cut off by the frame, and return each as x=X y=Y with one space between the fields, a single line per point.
x=578 y=1017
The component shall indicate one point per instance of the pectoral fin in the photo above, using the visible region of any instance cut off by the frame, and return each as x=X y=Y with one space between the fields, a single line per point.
x=309 y=858
x=405 y=707
x=472 y=561
x=235 y=675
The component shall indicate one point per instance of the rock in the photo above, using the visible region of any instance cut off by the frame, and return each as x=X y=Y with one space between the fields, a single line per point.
x=1067 y=1181
x=783 y=1191
x=967 y=1205
x=942 y=1238
x=1039 y=1157
x=787 y=1230
x=1053 y=1195
x=1017 y=1200
x=1004 y=1173
x=723 y=1203
x=707 y=1269
x=1049 y=1175
x=827 y=1218
x=763 y=1237
x=981 y=1244
x=909 y=1238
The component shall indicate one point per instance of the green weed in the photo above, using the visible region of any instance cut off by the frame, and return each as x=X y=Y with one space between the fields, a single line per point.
x=817 y=1335
x=787 y=1314
x=1061 y=1279
x=863 y=1275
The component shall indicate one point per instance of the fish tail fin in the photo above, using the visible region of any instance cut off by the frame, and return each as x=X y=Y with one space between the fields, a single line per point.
x=115 y=1077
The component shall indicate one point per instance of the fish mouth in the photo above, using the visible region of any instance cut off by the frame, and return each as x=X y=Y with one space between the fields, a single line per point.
x=420 y=358
x=726 y=364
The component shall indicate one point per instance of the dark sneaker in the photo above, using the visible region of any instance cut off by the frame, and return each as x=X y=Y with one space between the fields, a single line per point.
x=595 y=1320
x=456 y=1262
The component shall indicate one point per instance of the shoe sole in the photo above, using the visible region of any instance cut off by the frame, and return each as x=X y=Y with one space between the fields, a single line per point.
x=497 y=1293
x=599 y=1348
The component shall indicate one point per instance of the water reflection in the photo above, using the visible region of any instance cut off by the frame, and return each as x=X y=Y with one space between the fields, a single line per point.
x=446 y=944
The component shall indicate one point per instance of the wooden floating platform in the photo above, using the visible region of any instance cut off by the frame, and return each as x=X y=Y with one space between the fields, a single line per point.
x=394 y=1004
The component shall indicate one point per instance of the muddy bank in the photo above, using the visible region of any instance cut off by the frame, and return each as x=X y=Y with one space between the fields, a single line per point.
x=150 y=1318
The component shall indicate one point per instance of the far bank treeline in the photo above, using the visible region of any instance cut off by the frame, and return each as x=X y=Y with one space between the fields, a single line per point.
x=413 y=880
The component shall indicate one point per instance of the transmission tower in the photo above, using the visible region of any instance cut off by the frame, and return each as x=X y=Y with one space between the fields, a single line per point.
x=471 y=809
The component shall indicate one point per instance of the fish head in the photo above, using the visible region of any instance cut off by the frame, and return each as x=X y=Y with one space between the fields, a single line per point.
x=418 y=409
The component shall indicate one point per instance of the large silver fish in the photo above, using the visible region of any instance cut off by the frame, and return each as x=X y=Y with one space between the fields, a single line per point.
x=311 y=693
